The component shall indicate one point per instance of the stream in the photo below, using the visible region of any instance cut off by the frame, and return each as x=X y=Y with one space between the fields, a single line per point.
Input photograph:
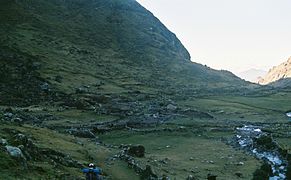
x=246 y=137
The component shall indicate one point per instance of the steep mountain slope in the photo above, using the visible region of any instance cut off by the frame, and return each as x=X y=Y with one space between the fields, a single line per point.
x=280 y=72
x=114 y=46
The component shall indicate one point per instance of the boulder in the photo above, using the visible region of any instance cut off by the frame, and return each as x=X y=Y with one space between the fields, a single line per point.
x=14 y=151
x=137 y=151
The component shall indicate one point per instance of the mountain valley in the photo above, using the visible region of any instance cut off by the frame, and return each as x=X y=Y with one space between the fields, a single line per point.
x=92 y=80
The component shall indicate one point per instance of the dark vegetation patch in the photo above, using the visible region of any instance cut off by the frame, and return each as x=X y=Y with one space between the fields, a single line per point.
x=20 y=82
x=263 y=173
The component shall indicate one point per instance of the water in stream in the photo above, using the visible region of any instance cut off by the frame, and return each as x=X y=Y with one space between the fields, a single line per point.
x=246 y=136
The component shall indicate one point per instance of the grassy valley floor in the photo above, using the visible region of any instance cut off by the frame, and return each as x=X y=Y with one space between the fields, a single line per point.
x=179 y=147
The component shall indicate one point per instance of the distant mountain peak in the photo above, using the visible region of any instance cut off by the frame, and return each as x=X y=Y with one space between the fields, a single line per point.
x=282 y=71
x=252 y=74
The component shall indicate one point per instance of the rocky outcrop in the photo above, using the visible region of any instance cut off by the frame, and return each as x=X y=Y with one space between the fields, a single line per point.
x=24 y=149
x=283 y=71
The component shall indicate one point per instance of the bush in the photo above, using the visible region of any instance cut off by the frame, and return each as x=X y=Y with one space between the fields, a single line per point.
x=263 y=173
x=265 y=142
x=288 y=174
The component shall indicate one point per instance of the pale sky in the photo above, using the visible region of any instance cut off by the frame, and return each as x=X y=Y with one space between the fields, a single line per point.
x=235 y=35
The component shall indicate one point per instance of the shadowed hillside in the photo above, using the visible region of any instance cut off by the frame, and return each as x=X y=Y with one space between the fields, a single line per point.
x=116 y=45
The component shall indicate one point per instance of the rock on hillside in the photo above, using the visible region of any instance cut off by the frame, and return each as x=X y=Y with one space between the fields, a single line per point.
x=283 y=71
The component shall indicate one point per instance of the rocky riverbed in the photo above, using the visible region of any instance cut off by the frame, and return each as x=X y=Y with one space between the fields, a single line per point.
x=261 y=145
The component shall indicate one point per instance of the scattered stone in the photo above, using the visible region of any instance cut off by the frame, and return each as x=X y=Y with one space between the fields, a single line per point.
x=8 y=110
x=163 y=161
x=78 y=103
x=102 y=99
x=45 y=87
x=164 y=177
x=211 y=177
x=8 y=115
x=82 y=90
x=60 y=158
x=148 y=173
x=99 y=83
x=84 y=133
x=240 y=163
x=3 y=142
x=20 y=139
x=171 y=107
x=59 y=79
x=36 y=65
x=190 y=177
x=239 y=174
x=101 y=130
x=17 y=120
x=182 y=127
